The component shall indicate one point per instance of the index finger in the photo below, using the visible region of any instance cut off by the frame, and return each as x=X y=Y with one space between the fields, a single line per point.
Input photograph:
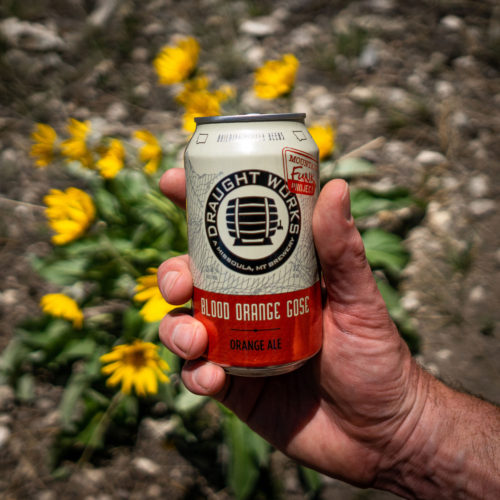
x=173 y=186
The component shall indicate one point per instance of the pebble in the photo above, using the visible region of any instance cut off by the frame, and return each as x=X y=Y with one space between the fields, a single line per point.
x=363 y=95
x=452 y=23
x=46 y=495
x=430 y=158
x=4 y=435
x=410 y=301
x=260 y=26
x=479 y=186
x=477 y=294
x=6 y=397
x=30 y=36
x=443 y=354
x=305 y=35
x=438 y=217
x=157 y=428
x=483 y=207
x=8 y=298
x=444 y=89
x=117 y=112
x=146 y=465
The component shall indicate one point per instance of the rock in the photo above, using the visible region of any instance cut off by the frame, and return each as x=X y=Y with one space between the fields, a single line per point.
x=7 y=397
x=4 y=435
x=410 y=301
x=479 y=186
x=482 y=207
x=453 y=23
x=443 y=354
x=304 y=36
x=363 y=95
x=255 y=56
x=438 y=217
x=46 y=495
x=261 y=26
x=430 y=158
x=477 y=294
x=369 y=57
x=117 y=112
x=157 y=428
x=444 y=89
x=30 y=36
x=93 y=476
x=104 y=11
x=8 y=297
x=146 y=466
x=324 y=103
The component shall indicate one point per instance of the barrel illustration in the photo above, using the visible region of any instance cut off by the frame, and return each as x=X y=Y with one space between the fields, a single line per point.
x=252 y=220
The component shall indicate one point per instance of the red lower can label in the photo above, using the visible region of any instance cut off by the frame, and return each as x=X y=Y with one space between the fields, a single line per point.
x=252 y=182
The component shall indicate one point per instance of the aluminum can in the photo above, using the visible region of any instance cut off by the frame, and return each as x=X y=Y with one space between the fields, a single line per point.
x=252 y=182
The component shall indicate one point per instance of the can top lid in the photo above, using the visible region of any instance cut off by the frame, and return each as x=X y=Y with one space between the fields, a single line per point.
x=253 y=117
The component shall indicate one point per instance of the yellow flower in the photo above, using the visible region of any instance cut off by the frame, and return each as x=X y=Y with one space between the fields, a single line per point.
x=174 y=63
x=150 y=152
x=75 y=148
x=70 y=213
x=324 y=137
x=198 y=84
x=203 y=103
x=43 y=149
x=138 y=365
x=111 y=162
x=276 y=77
x=62 y=306
x=155 y=307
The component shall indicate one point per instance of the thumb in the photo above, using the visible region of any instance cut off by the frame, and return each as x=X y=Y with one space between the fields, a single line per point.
x=348 y=278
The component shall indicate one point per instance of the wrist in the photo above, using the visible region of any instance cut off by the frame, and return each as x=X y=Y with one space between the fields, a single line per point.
x=440 y=451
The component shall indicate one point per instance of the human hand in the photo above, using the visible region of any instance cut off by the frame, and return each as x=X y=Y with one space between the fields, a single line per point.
x=348 y=411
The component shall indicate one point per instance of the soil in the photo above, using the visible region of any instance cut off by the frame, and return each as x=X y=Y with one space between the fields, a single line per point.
x=424 y=75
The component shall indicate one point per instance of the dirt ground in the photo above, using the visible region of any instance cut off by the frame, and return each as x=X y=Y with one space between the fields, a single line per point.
x=424 y=75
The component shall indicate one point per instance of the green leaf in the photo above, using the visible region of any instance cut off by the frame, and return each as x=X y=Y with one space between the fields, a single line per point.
x=76 y=349
x=108 y=206
x=247 y=451
x=399 y=314
x=384 y=250
x=25 y=387
x=51 y=339
x=365 y=202
x=12 y=357
x=93 y=433
x=61 y=272
x=187 y=402
x=352 y=167
x=311 y=478
x=75 y=386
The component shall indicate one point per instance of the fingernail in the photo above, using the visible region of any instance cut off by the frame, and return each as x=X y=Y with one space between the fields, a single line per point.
x=168 y=281
x=346 y=203
x=204 y=377
x=182 y=337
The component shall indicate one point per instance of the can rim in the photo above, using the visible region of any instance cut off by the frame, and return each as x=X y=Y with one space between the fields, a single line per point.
x=252 y=117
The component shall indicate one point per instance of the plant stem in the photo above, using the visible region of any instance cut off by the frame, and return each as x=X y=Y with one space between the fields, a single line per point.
x=9 y=201
x=116 y=254
x=100 y=429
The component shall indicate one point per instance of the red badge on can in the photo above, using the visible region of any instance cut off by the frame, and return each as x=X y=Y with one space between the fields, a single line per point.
x=301 y=170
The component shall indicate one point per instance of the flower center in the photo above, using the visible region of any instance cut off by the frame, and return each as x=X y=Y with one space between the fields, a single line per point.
x=136 y=358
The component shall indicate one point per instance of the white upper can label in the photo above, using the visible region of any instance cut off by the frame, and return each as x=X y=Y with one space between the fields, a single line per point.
x=251 y=190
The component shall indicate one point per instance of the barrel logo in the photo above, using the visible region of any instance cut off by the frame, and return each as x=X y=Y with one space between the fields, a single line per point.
x=252 y=221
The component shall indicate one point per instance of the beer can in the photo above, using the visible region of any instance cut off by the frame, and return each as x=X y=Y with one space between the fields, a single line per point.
x=251 y=183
